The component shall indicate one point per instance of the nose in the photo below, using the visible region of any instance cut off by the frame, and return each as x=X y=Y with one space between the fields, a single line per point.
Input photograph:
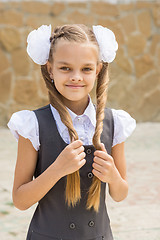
x=76 y=77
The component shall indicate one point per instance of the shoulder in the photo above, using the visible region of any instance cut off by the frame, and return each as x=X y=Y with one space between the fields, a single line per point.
x=22 y=116
x=124 y=125
x=122 y=117
x=42 y=108
x=25 y=123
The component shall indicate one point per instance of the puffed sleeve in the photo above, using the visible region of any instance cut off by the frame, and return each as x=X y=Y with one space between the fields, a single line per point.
x=124 y=125
x=25 y=123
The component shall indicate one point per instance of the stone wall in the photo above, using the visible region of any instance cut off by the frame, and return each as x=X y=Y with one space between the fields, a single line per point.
x=134 y=75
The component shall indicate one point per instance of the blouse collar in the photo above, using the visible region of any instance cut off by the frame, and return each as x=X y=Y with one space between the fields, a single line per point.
x=90 y=112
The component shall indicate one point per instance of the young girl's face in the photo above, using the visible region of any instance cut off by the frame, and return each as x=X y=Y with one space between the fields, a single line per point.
x=74 y=70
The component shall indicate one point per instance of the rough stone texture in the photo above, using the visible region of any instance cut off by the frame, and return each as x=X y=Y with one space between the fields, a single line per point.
x=25 y=91
x=20 y=67
x=5 y=89
x=36 y=21
x=11 y=17
x=35 y=7
x=77 y=5
x=158 y=54
x=136 y=44
x=104 y=9
x=149 y=101
x=78 y=17
x=5 y=63
x=144 y=21
x=126 y=7
x=57 y=8
x=3 y=114
x=123 y=61
x=134 y=75
x=154 y=43
x=156 y=14
x=145 y=4
x=10 y=38
x=143 y=65
x=128 y=23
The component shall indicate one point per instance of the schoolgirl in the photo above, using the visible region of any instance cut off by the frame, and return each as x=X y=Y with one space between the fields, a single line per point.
x=70 y=149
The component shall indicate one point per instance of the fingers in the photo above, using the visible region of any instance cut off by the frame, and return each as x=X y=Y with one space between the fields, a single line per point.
x=98 y=160
x=100 y=154
x=98 y=167
x=103 y=147
x=79 y=150
x=96 y=173
x=82 y=162
x=77 y=147
x=103 y=155
x=76 y=144
x=82 y=155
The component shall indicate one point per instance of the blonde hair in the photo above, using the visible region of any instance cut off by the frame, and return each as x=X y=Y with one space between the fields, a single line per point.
x=78 y=33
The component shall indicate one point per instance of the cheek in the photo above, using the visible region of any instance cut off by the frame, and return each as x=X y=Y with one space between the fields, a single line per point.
x=91 y=80
x=58 y=84
x=58 y=79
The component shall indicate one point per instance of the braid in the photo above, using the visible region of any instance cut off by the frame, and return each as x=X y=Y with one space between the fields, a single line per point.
x=73 y=193
x=102 y=84
x=78 y=33
x=56 y=35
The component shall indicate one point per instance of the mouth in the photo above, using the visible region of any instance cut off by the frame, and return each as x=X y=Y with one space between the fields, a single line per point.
x=75 y=86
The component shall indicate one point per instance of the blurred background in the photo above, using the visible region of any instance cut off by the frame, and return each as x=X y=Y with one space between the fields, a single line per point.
x=134 y=75
x=134 y=87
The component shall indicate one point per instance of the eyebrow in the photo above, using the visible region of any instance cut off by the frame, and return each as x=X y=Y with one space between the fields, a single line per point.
x=65 y=63
x=85 y=64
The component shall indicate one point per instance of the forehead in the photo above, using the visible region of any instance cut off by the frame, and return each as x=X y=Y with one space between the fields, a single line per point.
x=73 y=51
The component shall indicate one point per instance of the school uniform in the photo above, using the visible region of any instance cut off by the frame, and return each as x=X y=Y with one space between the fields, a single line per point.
x=53 y=219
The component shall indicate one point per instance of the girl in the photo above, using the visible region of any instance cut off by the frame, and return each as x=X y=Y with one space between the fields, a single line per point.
x=71 y=147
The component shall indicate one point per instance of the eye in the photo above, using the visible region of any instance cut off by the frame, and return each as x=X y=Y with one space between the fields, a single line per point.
x=65 y=68
x=87 y=69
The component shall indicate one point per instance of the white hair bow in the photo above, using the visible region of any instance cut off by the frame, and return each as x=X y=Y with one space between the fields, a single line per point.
x=38 y=47
x=107 y=43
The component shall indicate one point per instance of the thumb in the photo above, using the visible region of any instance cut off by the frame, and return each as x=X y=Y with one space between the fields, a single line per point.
x=103 y=147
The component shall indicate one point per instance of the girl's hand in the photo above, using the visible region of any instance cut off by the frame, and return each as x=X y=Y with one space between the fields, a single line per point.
x=104 y=167
x=71 y=158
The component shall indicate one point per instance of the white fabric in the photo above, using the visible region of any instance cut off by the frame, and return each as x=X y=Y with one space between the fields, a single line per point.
x=25 y=123
x=107 y=43
x=84 y=124
x=38 y=47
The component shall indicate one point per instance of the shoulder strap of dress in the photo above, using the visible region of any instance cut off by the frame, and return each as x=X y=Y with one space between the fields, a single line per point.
x=42 y=108
x=46 y=120
x=108 y=126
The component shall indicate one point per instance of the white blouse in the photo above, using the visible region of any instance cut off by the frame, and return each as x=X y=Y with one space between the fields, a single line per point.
x=25 y=123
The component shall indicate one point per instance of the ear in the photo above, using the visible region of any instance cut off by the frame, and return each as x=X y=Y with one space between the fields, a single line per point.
x=49 y=69
x=99 y=67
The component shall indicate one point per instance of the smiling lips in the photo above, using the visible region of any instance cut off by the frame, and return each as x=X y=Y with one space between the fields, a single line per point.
x=75 y=86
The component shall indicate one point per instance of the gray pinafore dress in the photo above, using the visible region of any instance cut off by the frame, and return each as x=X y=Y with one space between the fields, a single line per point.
x=53 y=219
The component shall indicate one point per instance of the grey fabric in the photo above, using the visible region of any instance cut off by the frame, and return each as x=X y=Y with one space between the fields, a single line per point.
x=52 y=218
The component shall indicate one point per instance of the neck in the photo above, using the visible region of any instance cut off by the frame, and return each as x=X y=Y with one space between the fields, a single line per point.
x=78 y=107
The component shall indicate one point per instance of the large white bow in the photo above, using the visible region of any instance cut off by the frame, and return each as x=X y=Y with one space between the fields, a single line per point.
x=107 y=43
x=38 y=47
